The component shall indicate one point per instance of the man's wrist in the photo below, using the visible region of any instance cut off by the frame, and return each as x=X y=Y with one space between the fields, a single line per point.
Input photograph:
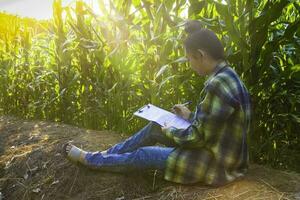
x=169 y=131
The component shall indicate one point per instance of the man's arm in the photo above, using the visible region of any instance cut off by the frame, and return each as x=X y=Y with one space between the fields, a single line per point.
x=214 y=112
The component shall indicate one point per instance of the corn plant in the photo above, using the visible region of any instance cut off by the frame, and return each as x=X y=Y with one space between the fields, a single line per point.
x=94 y=70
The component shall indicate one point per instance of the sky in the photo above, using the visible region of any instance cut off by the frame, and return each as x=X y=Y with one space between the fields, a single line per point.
x=38 y=9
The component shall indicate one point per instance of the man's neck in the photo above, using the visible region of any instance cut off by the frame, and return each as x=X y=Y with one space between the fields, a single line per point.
x=214 y=70
x=212 y=66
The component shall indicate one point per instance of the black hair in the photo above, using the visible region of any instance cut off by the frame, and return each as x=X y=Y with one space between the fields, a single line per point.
x=204 y=39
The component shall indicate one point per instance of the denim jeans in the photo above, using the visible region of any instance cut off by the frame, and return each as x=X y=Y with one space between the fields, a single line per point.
x=135 y=153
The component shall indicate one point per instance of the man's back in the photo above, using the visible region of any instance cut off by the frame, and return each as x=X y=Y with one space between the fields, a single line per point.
x=214 y=149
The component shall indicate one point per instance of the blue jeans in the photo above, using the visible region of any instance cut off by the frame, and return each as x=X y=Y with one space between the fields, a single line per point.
x=135 y=153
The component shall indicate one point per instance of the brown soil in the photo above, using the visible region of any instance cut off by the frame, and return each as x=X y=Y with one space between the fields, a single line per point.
x=32 y=167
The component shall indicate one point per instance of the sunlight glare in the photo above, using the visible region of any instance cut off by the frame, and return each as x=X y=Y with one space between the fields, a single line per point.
x=41 y=9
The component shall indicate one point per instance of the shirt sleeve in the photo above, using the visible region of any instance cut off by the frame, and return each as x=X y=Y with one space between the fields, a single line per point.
x=191 y=117
x=213 y=113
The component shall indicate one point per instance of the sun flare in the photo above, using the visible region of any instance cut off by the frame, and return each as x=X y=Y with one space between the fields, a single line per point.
x=39 y=9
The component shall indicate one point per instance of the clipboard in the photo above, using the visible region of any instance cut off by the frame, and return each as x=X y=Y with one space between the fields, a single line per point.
x=156 y=114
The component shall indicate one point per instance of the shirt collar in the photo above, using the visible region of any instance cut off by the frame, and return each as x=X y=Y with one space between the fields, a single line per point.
x=218 y=67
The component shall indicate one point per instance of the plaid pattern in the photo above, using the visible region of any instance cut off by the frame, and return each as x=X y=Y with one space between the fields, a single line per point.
x=213 y=150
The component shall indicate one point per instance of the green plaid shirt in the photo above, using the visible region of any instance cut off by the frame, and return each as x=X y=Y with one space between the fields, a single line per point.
x=213 y=150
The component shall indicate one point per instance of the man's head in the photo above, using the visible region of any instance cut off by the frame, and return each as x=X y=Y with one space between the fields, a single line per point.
x=203 y=48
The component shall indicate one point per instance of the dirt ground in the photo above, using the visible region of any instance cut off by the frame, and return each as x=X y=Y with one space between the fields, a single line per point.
x=32 y=167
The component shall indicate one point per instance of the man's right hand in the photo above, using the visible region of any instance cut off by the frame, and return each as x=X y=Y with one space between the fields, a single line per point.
x=181 y=111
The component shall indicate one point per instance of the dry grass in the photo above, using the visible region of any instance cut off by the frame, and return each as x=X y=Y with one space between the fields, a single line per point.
x=35 y=169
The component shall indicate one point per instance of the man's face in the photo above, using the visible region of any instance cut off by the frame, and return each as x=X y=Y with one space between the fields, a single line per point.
x=196 y=62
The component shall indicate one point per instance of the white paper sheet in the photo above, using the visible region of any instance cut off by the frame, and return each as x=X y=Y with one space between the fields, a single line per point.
x=160 y=116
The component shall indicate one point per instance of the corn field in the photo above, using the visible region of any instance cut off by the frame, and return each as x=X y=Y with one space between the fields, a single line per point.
x=94 y=71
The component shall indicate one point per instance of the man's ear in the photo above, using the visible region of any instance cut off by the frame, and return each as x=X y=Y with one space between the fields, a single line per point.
x=196 y=55
x=200 y=53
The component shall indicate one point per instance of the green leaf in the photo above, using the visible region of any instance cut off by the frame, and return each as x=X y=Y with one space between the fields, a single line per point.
x=196 y=7
x=161 y=71
x=270 y=13
x=296 y=68
x=165 y=81
x=292 y=29
x=180 y=60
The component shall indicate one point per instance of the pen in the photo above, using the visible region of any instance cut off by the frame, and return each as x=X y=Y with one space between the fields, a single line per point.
x=184 y=104
x=187 y=103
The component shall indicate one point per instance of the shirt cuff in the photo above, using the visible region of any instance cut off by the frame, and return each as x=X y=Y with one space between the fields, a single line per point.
x=170 y=132
x=190 y=119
